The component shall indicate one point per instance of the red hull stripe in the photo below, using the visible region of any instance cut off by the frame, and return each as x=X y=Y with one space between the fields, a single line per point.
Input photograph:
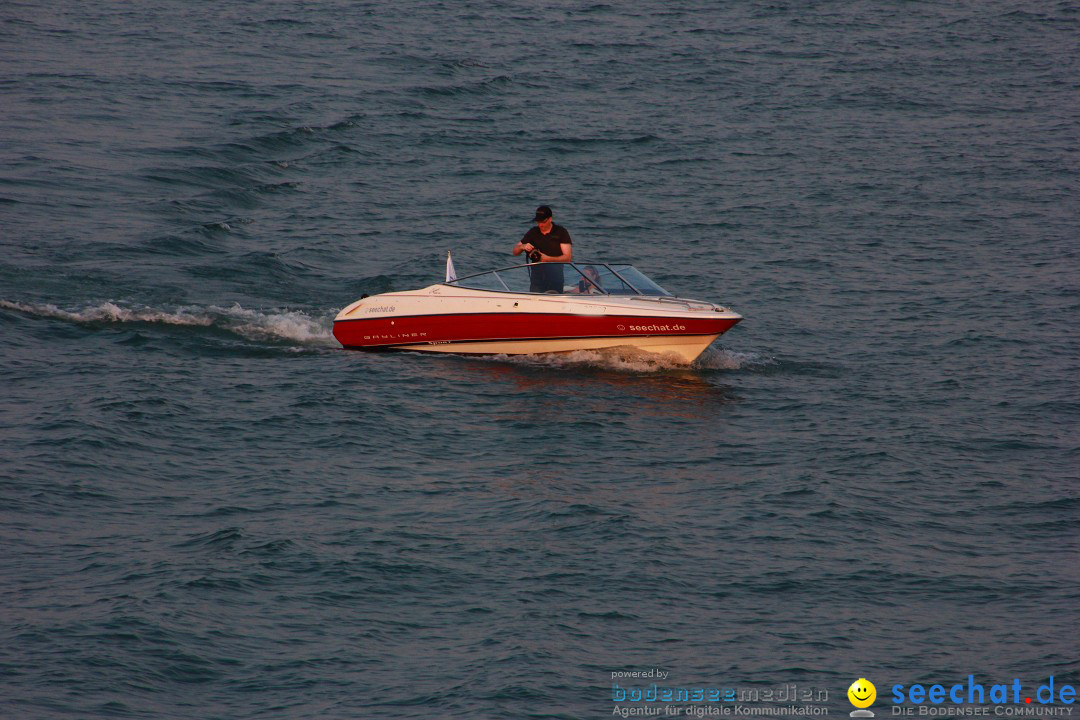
x=471 y=327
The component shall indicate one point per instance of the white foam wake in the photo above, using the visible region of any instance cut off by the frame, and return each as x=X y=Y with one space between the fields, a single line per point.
x=289 y=325
x=109 y=312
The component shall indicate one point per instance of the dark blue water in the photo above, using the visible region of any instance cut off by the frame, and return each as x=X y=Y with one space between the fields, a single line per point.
x=210 y=510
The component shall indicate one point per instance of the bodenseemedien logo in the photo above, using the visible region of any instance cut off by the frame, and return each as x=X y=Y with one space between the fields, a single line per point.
x=862 y=694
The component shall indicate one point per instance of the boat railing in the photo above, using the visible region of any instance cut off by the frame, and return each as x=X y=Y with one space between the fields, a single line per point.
x=685 y=302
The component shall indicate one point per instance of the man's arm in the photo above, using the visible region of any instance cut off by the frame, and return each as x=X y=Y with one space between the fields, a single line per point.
x=567 y=254
x=523 y=246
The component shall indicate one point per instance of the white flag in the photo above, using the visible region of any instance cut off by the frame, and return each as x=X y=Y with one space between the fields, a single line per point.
x=451 y=273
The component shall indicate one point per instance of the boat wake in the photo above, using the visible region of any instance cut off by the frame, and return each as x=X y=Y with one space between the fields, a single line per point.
x=287 y=325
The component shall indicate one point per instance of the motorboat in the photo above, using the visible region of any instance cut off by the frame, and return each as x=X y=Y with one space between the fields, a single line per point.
x=535 y=308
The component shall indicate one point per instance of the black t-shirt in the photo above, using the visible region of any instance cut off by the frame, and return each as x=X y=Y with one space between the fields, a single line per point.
x=548 y=244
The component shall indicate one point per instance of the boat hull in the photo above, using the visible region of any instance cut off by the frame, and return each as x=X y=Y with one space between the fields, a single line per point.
x=687 y=349
x=518 y=333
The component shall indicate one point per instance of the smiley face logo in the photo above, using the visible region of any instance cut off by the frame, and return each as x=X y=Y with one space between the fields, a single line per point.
x=862 y=693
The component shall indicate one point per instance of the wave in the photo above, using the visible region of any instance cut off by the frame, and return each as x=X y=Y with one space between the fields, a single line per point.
x=483 y=87
x=724 y=359
x=288 y=325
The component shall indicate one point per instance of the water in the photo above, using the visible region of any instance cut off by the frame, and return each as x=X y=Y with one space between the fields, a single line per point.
x=210 y=510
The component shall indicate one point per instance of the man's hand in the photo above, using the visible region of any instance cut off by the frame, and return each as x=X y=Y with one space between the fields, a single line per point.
x=530 y=252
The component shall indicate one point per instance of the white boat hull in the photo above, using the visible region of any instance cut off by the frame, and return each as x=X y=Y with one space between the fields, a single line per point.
x=686 y=348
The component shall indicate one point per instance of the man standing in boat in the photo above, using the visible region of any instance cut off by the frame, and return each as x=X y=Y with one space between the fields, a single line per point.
x=546 y=243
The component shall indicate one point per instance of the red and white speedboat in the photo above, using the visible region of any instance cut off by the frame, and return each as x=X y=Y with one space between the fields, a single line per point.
x=600 y=305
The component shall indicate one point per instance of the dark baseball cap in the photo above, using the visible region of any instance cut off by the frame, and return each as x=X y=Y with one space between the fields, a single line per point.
x=542 y=213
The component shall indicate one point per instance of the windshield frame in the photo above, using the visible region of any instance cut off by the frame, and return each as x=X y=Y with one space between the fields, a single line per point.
x=457 y=283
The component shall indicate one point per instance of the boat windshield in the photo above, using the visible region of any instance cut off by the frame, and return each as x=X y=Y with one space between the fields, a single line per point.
x=565 y=279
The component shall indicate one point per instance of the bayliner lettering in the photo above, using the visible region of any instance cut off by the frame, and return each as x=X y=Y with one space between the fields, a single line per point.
x=394 y=336
x=657 y=328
